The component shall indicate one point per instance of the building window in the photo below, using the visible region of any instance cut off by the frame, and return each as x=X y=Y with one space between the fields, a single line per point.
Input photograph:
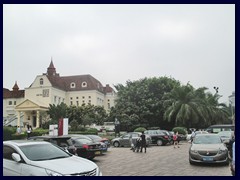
x=89 y=102
x=76 y=97
x=9 y=102
x=84 y=84
x=89 y=97
x=83 y=97
x=55 y=99
x=71 y=103
x=83 y=102
x=71 y=98
x=41 y=81
x=108 y=105
x=59 y=100
x=77 y=103
x=108 y=100
x=73 y=85
x=45 y=92
x=15 y=102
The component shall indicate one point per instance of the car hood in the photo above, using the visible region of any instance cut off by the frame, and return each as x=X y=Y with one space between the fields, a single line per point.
x=207 y=147
x=67 y=166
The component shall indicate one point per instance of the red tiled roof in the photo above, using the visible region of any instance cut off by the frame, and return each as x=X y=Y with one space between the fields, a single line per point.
x=64 y=83
x=13 y=94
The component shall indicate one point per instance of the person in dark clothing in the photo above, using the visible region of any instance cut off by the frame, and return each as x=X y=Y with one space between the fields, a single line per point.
x=137 y=145
x=143 y=142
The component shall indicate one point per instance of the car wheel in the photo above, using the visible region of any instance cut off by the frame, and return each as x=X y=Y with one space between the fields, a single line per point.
x=116 y=144
x=159 y=142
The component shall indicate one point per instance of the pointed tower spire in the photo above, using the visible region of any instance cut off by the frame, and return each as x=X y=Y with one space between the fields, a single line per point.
x=51 y=70
x=15 y=87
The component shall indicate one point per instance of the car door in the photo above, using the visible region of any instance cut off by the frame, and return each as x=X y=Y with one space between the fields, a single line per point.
x=125 y=141
x=10 y=167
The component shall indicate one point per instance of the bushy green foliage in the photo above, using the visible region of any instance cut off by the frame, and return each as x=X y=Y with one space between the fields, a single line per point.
x=39 y=132
x=140 y=129
x=180 y=130
x=19 y=136
x=87 y=131
x=7 y=132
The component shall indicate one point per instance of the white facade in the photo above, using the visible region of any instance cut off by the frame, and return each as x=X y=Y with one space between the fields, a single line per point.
x=50 y=88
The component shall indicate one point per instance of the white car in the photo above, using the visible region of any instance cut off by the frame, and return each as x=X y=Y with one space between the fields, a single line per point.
x=40 y=158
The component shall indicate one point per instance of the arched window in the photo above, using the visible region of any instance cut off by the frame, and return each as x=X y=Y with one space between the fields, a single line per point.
x=73 y=85
x=41 y=81
x=84 y=84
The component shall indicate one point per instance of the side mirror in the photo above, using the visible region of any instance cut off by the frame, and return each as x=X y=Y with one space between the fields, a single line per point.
x=16 y=157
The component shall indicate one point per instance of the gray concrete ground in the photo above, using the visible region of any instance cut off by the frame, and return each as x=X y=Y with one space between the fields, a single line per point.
x=158 y=161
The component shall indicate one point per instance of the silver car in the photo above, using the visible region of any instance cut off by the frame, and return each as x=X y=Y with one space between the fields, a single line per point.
x=208 y=148
x=39 y=158
x=128 y=139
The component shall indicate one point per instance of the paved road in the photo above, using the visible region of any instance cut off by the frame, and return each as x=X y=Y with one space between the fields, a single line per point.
x=158 y=161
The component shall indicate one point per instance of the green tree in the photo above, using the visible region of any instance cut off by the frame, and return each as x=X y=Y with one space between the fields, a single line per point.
x=57 y=112
x=182 y=106
x=143 y=98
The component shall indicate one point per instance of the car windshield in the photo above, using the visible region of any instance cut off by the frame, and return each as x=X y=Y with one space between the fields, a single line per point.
x=41 y=152
x=95 y=137
x=207 y=139
x=225 y=133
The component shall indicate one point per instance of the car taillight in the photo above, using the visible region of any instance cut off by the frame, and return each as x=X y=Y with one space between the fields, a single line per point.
x=166 y=137
x=85 y=146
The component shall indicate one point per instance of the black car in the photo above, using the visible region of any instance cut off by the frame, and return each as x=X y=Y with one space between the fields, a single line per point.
x=93 y=138
x=62 y=141
x=86 y=148
x=158 y=137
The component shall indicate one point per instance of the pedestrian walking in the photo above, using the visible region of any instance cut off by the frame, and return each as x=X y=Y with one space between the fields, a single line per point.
x=143 y=142
x=19 y=130
x=29 y=130
x=175 y=140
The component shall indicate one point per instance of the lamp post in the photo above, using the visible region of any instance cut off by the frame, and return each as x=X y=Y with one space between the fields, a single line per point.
x=216 y=89
x=232 y=104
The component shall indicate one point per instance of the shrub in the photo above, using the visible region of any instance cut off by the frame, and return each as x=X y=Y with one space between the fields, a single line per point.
x=140 y=129
x=180 y=130
x=19 y=136
x=7 y=132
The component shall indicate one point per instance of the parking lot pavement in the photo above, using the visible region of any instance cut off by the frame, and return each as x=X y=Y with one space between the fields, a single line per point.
x=158 y=161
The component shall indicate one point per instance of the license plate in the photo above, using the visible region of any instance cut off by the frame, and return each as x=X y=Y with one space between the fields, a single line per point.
x=207 y=159
x=97 y=152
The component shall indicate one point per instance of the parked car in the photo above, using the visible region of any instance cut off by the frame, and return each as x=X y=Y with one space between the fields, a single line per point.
x=128 y=138
x=158 y=137
x=189 y=136
x=62 y=141
x=220 y=127
x=97 y=138
x=86 y=148
x=103 y=146
x=39 y=158
x=208 y=148
x=225 y=135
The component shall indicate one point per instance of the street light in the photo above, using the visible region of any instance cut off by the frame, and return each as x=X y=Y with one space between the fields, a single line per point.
x=216 y=89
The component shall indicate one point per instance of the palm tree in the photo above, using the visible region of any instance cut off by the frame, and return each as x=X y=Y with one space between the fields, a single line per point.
x=182 y=106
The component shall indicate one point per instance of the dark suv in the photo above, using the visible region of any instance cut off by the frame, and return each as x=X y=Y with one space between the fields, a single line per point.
x=62 y=141
x=158 y=137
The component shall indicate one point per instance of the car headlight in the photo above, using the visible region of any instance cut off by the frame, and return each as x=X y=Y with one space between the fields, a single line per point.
x=222 y=151
x=194 y=151
x=52 y=173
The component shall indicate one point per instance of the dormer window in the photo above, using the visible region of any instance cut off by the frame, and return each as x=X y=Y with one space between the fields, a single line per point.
x=73 y=85
x=41 y=81
x=84 y=84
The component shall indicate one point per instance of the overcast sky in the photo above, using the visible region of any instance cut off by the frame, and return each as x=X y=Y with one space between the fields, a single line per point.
x=117 y=43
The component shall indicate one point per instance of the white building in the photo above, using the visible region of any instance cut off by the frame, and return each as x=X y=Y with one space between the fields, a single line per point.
x=29 y=106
